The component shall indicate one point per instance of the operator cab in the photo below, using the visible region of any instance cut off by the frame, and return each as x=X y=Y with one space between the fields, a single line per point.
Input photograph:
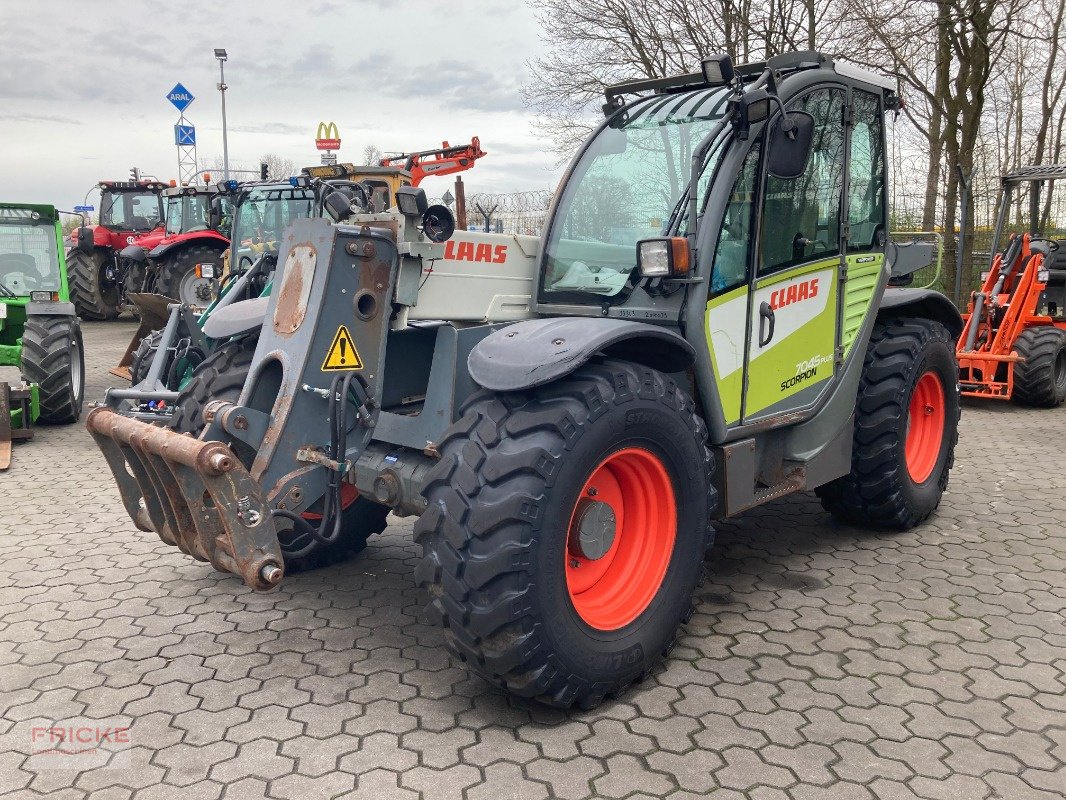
x=29 y=251
x=130 y=205
x=188 y=209
x=778 y=252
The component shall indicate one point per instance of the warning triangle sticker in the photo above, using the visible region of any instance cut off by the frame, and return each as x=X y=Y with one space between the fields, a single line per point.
x=342 y=355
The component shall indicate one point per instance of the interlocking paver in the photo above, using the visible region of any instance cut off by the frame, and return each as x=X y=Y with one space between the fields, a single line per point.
x=821 y=662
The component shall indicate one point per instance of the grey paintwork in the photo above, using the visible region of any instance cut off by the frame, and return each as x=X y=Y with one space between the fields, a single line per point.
x=236 y=318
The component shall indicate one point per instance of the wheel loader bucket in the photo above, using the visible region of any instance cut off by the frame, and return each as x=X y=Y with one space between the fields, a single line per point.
x=152 y=311
x=196 y=495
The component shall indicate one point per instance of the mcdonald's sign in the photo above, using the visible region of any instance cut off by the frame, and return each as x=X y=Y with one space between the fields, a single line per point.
x=327 y=137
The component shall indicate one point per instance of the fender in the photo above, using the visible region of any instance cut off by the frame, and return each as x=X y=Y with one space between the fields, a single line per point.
x=922 y=303
x=199 y=237
x=537 y=351
x=240 y=317
x=35 y=308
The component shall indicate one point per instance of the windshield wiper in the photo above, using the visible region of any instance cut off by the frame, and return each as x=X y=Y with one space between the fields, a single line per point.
x=5 y=292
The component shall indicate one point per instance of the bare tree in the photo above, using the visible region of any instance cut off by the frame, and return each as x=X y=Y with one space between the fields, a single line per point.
x=372 y=155
x=277 y=166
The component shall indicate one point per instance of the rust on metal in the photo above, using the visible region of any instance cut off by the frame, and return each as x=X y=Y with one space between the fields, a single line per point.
x=295 y=289
x=196 y=495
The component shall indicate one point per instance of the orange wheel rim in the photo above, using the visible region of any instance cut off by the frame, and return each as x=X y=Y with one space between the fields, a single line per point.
x=614 y=589
x=925 y=427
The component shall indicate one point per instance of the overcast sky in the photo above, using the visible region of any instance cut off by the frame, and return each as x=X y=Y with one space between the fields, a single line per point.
x=83 y=86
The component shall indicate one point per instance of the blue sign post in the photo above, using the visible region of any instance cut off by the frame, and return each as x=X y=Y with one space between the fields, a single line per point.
x=181 y=97
x=84 y=209
x=185 y=135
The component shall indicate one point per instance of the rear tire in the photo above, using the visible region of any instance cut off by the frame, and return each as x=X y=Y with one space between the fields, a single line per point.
x=1040 y=380
x=906 y=427
x=92 y=299
x=143 y=355
x=221 y=376
x=498 y=536
x=177 y=275
x=53 y=358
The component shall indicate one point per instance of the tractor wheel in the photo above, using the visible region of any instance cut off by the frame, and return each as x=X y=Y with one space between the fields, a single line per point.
x=221 y=377
x=53 y=358
x=1040 y=380
x=143 y=355
x=566 y=530
x=177 y=275
x=906 y=427
x=93 y=295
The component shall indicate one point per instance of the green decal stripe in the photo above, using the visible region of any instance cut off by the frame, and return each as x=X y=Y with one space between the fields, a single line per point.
x=858 y=292
x=777 y=367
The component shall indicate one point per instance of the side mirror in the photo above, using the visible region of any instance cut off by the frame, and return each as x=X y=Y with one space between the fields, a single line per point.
x=438 y=224
x=790 y=145
x=214 y=214
x=664 y=257
x=85 y=240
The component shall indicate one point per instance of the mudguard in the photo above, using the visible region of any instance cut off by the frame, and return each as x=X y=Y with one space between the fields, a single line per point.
x=239 y=317
x=197 y=237
x=922 y=303
x=537 y=351
x=50 y=309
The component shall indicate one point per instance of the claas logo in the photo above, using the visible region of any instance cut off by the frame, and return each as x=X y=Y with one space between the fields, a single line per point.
x=794 y=293
x=468 y=251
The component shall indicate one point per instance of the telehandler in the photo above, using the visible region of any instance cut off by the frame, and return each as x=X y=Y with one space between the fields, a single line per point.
x=707 y=324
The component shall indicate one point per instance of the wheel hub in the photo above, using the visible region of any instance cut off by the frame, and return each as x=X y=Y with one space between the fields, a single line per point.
x=593 y=530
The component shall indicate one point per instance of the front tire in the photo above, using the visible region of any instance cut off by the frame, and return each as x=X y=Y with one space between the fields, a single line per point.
x=524 y=598
x=906 y=428
x=94 y=297
x=1040 y=378
x=143 y=356
x=53 y=358
x=177 y=275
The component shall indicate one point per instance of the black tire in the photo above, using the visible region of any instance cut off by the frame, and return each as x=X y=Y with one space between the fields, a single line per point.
x=494 y=536
x=143 y=355
x=1040 y=379
x=54 y=359
x=221 y=376
x=360 y=520
x=176 y=266
x=85 y=275
x=880 y=491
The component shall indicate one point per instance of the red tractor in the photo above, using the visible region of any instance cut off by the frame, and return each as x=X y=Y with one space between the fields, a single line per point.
x=129 y=211
x=184 y=260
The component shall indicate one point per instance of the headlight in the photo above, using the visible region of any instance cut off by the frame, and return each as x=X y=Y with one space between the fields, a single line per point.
x=411 y=201
x=662 y=257
x=43 y=297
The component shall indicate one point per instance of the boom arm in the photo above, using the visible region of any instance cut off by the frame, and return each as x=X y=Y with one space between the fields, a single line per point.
x=442 y=161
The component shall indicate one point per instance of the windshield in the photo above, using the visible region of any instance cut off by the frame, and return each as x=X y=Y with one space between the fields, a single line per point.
x=263 y=213
x=187 y=213
x=29 y=260
x=626 y=187
x=133 y=211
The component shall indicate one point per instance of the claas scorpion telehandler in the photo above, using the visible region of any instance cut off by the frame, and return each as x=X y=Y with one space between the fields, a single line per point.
x=707 y=324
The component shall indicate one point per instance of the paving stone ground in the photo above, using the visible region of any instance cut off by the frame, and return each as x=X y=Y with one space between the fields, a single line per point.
x=823 y=661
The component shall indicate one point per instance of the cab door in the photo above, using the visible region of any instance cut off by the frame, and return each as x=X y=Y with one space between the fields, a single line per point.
x=793 y=313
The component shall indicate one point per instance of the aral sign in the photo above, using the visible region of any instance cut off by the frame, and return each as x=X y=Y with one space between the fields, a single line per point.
x=327 y=137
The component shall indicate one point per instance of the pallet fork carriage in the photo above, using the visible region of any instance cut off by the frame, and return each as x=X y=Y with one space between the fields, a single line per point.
x=711 y=320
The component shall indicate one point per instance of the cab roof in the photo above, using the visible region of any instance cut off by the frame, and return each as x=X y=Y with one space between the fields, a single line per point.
x=47 y=212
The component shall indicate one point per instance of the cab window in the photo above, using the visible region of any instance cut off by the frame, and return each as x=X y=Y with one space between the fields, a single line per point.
x=866 y=182
x=803 y=214
x=731 y=254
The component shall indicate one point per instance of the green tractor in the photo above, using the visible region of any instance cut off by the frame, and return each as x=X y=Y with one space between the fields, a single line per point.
x=39 y=330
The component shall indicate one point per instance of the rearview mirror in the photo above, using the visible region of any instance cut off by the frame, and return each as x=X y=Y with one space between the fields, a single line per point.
x=85 y=240
x=214 y=215
x=790 y=149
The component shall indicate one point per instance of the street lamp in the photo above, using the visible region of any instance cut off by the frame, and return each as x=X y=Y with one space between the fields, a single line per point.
x=220 y=54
